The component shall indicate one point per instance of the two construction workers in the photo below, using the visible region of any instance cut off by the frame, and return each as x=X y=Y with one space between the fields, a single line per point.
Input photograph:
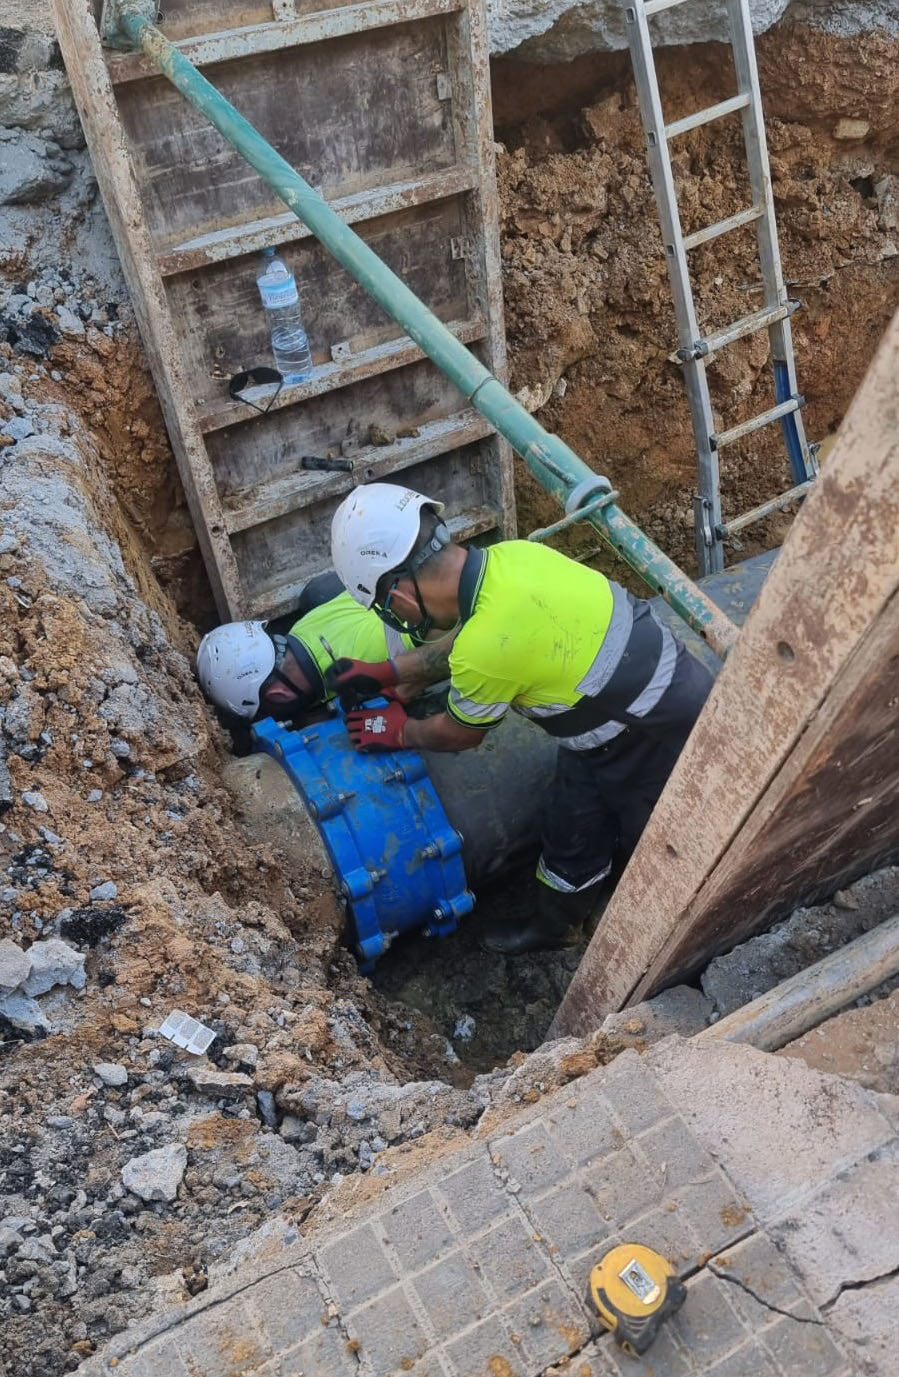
x=518 y=626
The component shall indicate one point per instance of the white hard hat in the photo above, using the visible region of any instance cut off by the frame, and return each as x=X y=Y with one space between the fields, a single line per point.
x=372 y=532
x=233 y=662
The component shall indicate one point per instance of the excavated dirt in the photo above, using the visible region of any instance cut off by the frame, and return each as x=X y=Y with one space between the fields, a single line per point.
x=588 y=304
x=116 y=835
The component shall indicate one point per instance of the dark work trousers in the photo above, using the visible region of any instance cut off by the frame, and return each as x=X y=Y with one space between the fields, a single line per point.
x=600 y=800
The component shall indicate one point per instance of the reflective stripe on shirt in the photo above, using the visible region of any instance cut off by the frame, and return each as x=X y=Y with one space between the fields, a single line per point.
x=559 y=644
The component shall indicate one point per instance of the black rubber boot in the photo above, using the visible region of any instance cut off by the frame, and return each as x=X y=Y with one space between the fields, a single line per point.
x=557 y=921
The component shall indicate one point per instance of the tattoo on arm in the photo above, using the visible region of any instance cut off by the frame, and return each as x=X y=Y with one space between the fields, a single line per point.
x=429 y=662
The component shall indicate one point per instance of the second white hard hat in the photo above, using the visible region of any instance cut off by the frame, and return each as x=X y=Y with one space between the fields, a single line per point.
x=233 y=662
x=372 y=532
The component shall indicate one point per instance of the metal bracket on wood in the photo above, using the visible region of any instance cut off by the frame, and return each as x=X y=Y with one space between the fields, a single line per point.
x=112 y=35
x=444 y=86
x=458 y=248
x=341 y=351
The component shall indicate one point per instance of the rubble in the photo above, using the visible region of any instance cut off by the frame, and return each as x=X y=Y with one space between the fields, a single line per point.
x=156 y=1175
x=53 y=962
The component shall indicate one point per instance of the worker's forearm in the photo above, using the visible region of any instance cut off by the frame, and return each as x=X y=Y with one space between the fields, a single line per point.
x=427 y=664
x=439 y=733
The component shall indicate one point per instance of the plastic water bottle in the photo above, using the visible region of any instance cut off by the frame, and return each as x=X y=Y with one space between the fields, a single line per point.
x=281 y=300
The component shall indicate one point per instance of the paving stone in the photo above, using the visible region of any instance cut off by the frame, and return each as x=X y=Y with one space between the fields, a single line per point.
x=452 y=1295
x=584 y=1129
x=416 y=1230
x=531 y=1158
x=592 y=1362
x=570 y=1218
x=511 y=1261
x=624 y=1187
x=678 y=1156
x=548 y=1324
x=664 y=1359
x=326 y=1354
x=474 y=1196
x=160 y=1359
x=749 y=1360
x=357 y=1267
x=773 y=1122
x=707 y=1325
x=799 y=1349
x=715 y=1214
x=210 y=1344
x=487 y=1348
x=867 y=1324
x=849 y=1231
x=759 y=1280
x=389 y=1333
x=633 y=1093
x=288 y=1307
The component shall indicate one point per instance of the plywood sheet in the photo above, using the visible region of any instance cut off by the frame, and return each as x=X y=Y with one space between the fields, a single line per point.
x=222 y=330
x=364 y=112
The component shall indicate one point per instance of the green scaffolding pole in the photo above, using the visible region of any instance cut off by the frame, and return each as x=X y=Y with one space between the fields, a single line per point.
x=556 y=467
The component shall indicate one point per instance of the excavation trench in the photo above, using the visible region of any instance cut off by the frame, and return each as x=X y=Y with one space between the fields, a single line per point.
x=118 y=835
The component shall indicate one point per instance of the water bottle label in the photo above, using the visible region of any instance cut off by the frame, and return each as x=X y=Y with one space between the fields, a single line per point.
x=277 y=294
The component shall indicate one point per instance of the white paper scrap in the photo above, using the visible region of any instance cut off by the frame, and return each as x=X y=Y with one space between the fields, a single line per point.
x=187 y=1032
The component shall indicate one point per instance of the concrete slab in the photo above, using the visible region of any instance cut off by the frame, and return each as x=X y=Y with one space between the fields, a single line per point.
x=477 y=1266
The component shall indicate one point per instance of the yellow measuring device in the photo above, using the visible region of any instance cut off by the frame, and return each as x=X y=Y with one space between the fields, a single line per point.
x=634 y=1289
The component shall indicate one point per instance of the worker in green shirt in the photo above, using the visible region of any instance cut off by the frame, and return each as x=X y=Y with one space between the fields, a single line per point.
x=249 y=672
x=545 y=636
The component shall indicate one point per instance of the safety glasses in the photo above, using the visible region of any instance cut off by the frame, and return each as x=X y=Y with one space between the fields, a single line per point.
x=255 y=377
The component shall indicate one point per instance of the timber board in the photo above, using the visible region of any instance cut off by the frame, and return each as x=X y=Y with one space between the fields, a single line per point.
x=221 y=330
x=789 y=783
x=335 y=423
x=267 y=554
x=195 y=183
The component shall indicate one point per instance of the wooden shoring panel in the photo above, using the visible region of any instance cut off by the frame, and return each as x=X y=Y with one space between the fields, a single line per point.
x=195 y=183
x=247 y=458
x=267 y=554
x=789 y=784
x=385 y=107
x=222 y=330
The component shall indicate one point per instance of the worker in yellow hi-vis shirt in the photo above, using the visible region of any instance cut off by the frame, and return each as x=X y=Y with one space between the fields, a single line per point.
x=540 y=634
x=249 y=672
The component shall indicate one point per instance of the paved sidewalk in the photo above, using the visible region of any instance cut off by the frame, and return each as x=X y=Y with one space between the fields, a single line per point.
x=744 y=1169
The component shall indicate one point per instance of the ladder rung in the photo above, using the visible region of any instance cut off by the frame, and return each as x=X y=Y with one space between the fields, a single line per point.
x=776 y=413
x=656 y=6
x=742 y=217
x=776 y=504
x=711 y=112
x=748 y=325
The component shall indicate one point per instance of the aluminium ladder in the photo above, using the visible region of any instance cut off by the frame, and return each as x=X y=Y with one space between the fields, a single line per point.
x=695 y=349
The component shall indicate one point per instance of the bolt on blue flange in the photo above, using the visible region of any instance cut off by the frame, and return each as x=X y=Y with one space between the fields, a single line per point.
x=396 y=858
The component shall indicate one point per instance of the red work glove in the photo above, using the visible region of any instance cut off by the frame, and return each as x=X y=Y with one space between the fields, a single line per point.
x=377 y=729
x=355 y=681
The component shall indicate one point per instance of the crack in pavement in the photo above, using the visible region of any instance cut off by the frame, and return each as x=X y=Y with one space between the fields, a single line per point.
x=178 y=1320
x=858 y=1286
x=724 y=1275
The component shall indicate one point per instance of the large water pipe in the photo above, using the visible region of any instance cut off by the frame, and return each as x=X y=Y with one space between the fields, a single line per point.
x=491 y=800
